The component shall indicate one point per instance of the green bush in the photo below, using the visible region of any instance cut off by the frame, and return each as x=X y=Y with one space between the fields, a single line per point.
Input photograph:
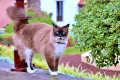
x=9 y=28
x=6 y=41
x=72 y=40
x=43 y=17
x=98 y=28
x=6 y=35
x=39 y=16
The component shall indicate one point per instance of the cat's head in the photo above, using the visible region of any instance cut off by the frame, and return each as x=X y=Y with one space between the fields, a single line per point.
x=60 y=32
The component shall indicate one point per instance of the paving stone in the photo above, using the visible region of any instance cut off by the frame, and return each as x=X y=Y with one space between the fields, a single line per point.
x=6 y=74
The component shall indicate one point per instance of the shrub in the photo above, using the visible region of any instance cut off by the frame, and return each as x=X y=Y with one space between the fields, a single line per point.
x=98 y=28
x=50 y=14
x=39 y=16
x=5 y=35
x=71 y=41
x=9 y=28
x=1 y=39
x=6 y=41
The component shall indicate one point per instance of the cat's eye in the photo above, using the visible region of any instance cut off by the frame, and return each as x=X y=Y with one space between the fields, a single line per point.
x=63 y=32
x=57 y=32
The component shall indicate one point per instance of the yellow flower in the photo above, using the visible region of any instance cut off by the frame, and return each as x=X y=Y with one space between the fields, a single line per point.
x=39 y=64
x=45 y=68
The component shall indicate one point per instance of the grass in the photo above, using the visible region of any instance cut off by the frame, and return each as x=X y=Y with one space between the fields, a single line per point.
x=73 y=50
x=7 y=52
x=41 y=63
x=75 y=71
x=53 y=78
x=9 y=28
x=38 y=57
x=69 y=50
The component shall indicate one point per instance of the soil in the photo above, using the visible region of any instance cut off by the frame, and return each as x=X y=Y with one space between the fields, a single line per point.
x=75 y=60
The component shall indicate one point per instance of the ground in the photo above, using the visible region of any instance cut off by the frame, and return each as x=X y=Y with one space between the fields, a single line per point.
x=6 y=74
x=75 y=60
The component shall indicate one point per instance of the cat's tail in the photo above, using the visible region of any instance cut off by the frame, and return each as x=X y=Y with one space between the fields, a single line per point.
x=18 y=15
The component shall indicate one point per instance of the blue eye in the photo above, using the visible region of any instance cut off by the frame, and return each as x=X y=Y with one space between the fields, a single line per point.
x=57 y=32
x=63 y=32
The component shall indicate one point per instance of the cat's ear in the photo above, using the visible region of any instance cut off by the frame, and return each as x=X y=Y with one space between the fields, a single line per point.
x=67 y=26
x=54 y=25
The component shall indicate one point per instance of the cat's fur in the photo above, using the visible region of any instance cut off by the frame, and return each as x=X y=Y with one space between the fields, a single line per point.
x=50 y=41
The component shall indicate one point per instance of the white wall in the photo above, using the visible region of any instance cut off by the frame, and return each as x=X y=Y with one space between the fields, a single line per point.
x=70 y=9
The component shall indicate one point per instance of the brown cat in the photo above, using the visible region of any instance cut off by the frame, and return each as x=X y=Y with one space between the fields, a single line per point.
x=50 y=41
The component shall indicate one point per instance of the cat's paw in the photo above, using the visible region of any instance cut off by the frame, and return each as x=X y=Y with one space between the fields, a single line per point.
x=53 y=73
x=30 y=71
x=57 y=71
x=35 y=70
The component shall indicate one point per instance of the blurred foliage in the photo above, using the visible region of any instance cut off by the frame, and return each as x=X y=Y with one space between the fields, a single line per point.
x=98 y=28
x=71 y=41
x=37 y=16
x=6 y=41
x=6 y=51
x=6 y=35
x=9 y=28
x=2 y=32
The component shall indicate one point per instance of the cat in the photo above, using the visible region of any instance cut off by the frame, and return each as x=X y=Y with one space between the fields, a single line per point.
x=50 y=41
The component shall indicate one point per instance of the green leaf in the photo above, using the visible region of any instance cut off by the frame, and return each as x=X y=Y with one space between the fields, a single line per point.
x=118 y=7
x=119 y=46
x=119 y=58
x=112 y=8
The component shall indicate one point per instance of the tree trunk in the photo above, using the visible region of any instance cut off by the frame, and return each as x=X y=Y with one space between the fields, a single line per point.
x=33 y=4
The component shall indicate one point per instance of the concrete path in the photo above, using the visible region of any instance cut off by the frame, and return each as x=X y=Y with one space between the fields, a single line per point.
x=6 y=74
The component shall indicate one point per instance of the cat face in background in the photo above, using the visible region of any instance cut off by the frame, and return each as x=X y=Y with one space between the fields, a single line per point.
x=60 y=33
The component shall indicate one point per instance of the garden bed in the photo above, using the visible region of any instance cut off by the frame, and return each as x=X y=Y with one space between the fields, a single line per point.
x=113 y=68
x=76 y=61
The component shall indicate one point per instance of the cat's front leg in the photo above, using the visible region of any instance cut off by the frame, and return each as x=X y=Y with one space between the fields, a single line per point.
x=56 y=64
x=28 y=53
x=51 y=63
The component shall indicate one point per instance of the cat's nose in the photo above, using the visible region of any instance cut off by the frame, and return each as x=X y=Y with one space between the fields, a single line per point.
x=60 y=35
